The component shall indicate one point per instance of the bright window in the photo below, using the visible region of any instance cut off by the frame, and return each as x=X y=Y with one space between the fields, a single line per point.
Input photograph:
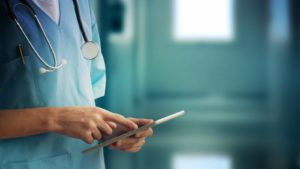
x=201 y=161
x=203 y=20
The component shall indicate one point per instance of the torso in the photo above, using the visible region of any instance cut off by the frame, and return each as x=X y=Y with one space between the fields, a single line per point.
x=22 y=86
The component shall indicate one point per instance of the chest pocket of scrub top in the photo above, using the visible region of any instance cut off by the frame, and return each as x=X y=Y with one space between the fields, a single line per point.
x=56 y=162
x=17 y=84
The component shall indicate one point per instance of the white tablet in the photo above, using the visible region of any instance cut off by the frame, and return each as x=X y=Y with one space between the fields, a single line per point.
x=132 y=132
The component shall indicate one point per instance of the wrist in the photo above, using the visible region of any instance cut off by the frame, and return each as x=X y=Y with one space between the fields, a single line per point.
x=51 y=122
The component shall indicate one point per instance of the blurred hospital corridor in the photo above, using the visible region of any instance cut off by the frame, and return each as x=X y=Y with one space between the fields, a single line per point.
x=232 y=65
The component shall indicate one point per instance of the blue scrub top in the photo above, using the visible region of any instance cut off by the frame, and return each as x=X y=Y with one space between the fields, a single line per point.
x=78 y=83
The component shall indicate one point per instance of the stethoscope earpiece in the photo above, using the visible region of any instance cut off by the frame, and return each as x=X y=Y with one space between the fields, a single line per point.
x=64 y=61
x=43 y=70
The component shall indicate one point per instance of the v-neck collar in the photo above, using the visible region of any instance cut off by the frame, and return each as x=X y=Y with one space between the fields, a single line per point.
x=50 y=7
x=38 y=10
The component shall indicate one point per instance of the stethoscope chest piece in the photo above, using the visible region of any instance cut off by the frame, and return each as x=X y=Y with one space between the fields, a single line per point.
x=90 y=50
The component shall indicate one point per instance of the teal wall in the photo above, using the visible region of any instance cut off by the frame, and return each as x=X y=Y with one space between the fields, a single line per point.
x=234 y=92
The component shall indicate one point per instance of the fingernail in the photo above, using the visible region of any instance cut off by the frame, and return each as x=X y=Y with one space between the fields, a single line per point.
x=135 y=126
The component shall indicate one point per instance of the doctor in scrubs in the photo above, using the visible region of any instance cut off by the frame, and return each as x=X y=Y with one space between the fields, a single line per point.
x=47 y=119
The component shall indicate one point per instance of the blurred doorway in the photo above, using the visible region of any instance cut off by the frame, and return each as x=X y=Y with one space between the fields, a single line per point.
x=223 y=82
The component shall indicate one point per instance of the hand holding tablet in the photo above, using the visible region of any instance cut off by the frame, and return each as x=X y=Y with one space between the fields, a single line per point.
x=132 y=132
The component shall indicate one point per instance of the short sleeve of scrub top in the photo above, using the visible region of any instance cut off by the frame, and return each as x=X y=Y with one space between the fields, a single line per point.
x=78 y=83
x=98 y=75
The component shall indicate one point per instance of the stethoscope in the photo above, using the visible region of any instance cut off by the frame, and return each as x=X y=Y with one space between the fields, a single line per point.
x=89 y=49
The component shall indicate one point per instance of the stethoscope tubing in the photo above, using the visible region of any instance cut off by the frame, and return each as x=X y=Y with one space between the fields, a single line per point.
x=48 y=68
x=79 y=19
x=77 y=11
x=44 y=35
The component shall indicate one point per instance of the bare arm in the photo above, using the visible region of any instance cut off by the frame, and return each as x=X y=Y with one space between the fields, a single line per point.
x=25 y=122
x=86 y=123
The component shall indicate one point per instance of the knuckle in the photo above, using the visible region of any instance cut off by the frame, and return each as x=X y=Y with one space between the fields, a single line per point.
x=109 y=130
x=87 y=134
x=105 y=128
x=119 y=116
x=116 y=116
x=131 y=119
x=97 y=117
x=91 y=124
x=88 y=139
x=99 y=136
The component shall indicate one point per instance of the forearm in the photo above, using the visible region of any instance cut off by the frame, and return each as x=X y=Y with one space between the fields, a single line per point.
x=85 y=123
x=25 y=122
